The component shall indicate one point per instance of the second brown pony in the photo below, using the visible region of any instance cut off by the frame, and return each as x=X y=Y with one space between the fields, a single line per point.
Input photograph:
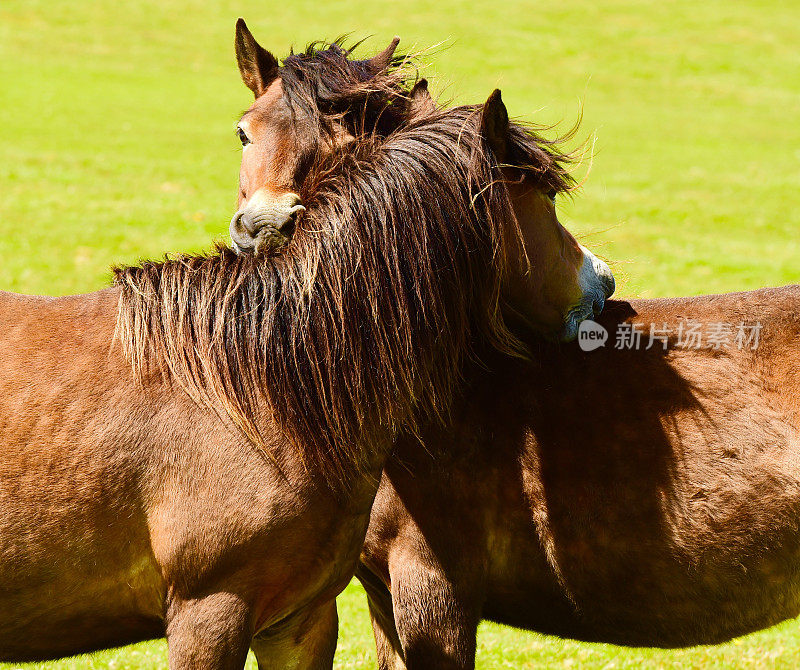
x=633 y=495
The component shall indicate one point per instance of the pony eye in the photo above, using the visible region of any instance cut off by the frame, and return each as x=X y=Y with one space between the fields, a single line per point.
x=243 y=138
x=552 y=194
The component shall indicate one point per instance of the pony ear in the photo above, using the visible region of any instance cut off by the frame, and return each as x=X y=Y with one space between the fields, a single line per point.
x=419 y=98
x=258 y=67
x=420 y=91
x=494 y=124
x=379 y=62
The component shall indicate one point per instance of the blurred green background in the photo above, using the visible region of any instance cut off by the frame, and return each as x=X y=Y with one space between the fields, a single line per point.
x=117 y=142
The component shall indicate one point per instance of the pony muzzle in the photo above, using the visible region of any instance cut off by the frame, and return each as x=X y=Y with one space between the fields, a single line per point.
x=596 y=279
x=265 y=222
x=597 y=285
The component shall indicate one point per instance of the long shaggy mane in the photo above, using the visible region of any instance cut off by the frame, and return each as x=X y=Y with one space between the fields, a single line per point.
x=360 y=327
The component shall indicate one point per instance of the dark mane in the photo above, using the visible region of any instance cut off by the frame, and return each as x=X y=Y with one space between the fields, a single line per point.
x=325 y=84
x=544 y=160
x=360 y=327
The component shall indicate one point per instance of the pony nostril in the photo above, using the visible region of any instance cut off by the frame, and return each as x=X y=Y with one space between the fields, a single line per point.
x=249 y=223
x=291 y=215
x=284 y=221
x=609 y=284
x=287 y=228
x=291 y=205
x=606 y=277
x=240 y=235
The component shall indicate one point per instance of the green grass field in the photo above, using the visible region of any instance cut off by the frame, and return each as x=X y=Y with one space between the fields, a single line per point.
x=116 y=142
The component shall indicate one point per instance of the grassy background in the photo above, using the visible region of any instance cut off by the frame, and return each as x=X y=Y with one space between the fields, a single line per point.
x=116 y=142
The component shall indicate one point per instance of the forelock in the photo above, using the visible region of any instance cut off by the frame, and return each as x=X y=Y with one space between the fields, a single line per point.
x=325 y=83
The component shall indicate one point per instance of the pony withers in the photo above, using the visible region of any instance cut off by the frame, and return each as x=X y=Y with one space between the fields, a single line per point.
x=194 y=451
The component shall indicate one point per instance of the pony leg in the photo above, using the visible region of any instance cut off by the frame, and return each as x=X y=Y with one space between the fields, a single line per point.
x=388 y=647
x=210 y=633
x=437 y=622
x=381 y=613
x=304 y=643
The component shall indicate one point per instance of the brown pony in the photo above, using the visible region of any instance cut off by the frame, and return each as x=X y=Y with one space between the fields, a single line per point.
x=194 y=451
x=644 y=493
x=645 y=496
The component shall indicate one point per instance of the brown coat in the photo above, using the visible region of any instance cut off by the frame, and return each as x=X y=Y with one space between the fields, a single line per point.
x=634 y=497
x=125 y=505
